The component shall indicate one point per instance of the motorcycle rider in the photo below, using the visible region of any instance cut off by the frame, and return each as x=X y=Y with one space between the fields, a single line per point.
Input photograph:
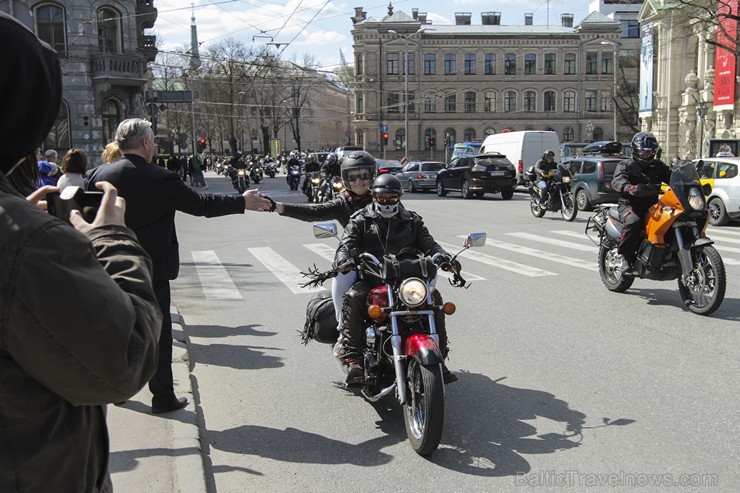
x=293 y=165
x=329 y=169
x=383 y=227
x=311 y=166
x=638 y=180
x=544 y=169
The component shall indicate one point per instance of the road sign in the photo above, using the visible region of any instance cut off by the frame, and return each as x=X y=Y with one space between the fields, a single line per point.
x=384 y=128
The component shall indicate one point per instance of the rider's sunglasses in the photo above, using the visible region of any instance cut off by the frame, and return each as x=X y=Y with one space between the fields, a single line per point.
x=361 y=176
x=387 y=200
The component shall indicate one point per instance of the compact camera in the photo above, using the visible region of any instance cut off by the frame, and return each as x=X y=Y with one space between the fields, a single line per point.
x=74 y=198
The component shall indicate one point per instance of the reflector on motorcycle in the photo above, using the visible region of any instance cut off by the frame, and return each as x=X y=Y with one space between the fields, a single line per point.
x=449 y=308
x=374 y=311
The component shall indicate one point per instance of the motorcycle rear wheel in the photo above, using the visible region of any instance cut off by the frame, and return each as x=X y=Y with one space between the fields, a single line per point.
x=568 y=208
x=423 y=414
x=708 y=281
x=609 y=271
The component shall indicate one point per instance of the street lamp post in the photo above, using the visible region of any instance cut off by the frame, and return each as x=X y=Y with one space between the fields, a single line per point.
x=614 y=45
x=406 y=86
x=702 y=109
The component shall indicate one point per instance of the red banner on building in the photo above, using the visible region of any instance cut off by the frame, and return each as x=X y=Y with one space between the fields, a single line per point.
x=724 y=59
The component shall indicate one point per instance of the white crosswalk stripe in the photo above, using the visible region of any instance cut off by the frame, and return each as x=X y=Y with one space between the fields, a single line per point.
x=214 y=279
x=556 y=242
x=525 y=270
x=533 y=252
x=289 y=274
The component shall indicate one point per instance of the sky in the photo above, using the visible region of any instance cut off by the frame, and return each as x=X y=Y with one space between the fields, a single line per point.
x=322 y=28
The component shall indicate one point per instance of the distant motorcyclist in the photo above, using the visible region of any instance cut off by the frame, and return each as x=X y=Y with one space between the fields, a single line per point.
x=329 y=169
x=383 y=227
x=294 y=169
x=545 y=168
x=311 y=166
x=638 y=180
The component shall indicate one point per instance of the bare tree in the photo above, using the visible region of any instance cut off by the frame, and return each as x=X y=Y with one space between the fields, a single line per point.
x=711 y=16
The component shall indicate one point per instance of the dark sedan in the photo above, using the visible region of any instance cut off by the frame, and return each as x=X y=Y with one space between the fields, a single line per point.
x=388 y=166
x=475 y=175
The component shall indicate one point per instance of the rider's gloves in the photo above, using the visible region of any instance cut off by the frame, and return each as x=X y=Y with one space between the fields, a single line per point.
x=642 y=190
x=446 y=263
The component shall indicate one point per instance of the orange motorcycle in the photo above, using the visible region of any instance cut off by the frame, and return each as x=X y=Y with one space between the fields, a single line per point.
x=674 y=245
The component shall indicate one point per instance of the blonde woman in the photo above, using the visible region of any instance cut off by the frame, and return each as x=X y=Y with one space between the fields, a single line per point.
x=111 y=153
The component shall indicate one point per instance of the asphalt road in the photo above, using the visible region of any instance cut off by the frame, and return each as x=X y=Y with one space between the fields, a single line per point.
x=563 y=385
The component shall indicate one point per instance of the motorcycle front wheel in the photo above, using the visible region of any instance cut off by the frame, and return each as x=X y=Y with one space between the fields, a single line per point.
x=609 y=262
x=704 y=289
x=423 y=414
x=568 y=207
x=534 y=205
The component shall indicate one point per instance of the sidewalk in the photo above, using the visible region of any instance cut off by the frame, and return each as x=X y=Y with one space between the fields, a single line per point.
x=158 y=453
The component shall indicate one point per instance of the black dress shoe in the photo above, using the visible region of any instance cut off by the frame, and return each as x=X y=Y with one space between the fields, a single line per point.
x=168 y=406
x=447 y=375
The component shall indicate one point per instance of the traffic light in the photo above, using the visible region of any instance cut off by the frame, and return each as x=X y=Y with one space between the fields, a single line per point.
x=385 y=138
x=201 y=144
x=431 y=142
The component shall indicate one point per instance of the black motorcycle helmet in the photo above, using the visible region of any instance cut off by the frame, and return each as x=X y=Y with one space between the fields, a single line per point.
x=387 y=184
x=355 y=161
x=331 y=158
x=549 y=153
x=644 y=147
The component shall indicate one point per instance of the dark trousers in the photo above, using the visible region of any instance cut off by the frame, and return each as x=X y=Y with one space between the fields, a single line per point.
x=162 y=385
x=354 y=312
x=632 y=224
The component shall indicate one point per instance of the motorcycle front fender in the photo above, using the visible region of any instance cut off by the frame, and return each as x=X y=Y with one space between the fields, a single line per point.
x=422 y=348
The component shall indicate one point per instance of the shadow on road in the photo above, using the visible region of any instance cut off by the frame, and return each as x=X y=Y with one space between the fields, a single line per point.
x=729 y=310
x=239 y=357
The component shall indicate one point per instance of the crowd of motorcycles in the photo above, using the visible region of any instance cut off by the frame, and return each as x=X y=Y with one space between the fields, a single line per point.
x=318 y=187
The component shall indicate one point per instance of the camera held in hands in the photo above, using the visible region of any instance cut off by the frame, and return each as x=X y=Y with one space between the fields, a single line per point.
x=74 y=198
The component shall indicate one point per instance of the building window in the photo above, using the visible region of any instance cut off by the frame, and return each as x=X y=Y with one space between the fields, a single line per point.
x=489 y=131
x=591 y=60
x=569 y=101
x=469 y=134
x=450 y=137
x=58 y=137
x=469 y=63
x=430 y=105
x=589 y=101
x=598 y=134
x=530 y=101
x=359 y=61
x=630 y=28
x=361 y=139
x=489 y=101
x=410 y=59
x=451 y=103
x=392 y=68
x=450 y=68
x=111 y=119
x=393 y=102
x=549 y=101
x=470 y=100
x=607 y=63
x=509 y=101
x=490 y=64
x=569 y=64
x=108 y=31
x=510 y=64
x=400 y=139
x=550 y=60
x=50 y=27
x=569 y=134
x=410 y=102
x=530 y=64
x=430 y=64
x=360 y=103
x=604 y=103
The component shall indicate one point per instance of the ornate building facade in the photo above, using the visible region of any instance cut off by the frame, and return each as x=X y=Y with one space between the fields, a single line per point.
x=104 y=55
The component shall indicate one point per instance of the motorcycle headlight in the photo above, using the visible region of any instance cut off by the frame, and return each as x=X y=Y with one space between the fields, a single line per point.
x=696 y=199
x=413 y=292
x=337 y=185
x=315 y=181
x=566 y=179
x=241 y=172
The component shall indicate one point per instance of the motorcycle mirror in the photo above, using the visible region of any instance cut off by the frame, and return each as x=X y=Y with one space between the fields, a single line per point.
x=475 y=240
x=699 y=165
x=325 y=230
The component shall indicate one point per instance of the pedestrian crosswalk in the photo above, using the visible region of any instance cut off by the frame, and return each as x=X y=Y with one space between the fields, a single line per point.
x=547 y=253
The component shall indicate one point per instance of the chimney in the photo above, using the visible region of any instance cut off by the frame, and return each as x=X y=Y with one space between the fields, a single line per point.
x=566 y=20
x=422 y=17
x=415 y=14
x=528 y=19
x=491 y=18
x=360 y=15
x=462 y=18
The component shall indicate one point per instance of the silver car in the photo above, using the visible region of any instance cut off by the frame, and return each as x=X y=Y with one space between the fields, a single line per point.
x=420 y=175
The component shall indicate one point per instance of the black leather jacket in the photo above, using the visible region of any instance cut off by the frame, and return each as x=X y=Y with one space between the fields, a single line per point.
x=329 y=170
x=368 y=232
x=312 y=167
x=543 y=166
x=630 y=172
x=339 y=209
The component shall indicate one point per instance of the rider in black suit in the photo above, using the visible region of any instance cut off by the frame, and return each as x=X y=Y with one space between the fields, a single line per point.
x=153 y=194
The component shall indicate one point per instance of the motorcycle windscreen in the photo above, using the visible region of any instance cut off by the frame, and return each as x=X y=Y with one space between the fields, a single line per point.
x=682 y=178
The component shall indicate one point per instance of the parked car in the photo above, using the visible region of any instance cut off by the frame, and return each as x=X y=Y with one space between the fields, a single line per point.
x=388 y=166
x=592 y=173
x=475 y=175
x=719 y=177
x=466 y=148
x=420 y=175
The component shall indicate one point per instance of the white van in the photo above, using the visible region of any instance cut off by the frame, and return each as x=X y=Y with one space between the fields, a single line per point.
x=523 y=148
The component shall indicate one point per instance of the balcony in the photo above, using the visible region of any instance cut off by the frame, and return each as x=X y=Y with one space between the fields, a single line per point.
x=119 y=69
x=148 y=47
x=146 y=14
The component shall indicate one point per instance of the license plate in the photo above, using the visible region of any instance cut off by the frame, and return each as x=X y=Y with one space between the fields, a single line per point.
x=498 y=173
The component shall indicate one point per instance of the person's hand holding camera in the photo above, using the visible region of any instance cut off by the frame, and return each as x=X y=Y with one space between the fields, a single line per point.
x=38 y=197
x=112 y=210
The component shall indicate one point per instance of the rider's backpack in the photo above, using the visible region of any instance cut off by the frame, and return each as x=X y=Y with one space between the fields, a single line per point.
x=321 y=321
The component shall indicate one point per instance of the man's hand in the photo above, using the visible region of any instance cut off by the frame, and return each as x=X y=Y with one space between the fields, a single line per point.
x=254 y=201
x=643 y=190
x=112 y=210
x=38 y=198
